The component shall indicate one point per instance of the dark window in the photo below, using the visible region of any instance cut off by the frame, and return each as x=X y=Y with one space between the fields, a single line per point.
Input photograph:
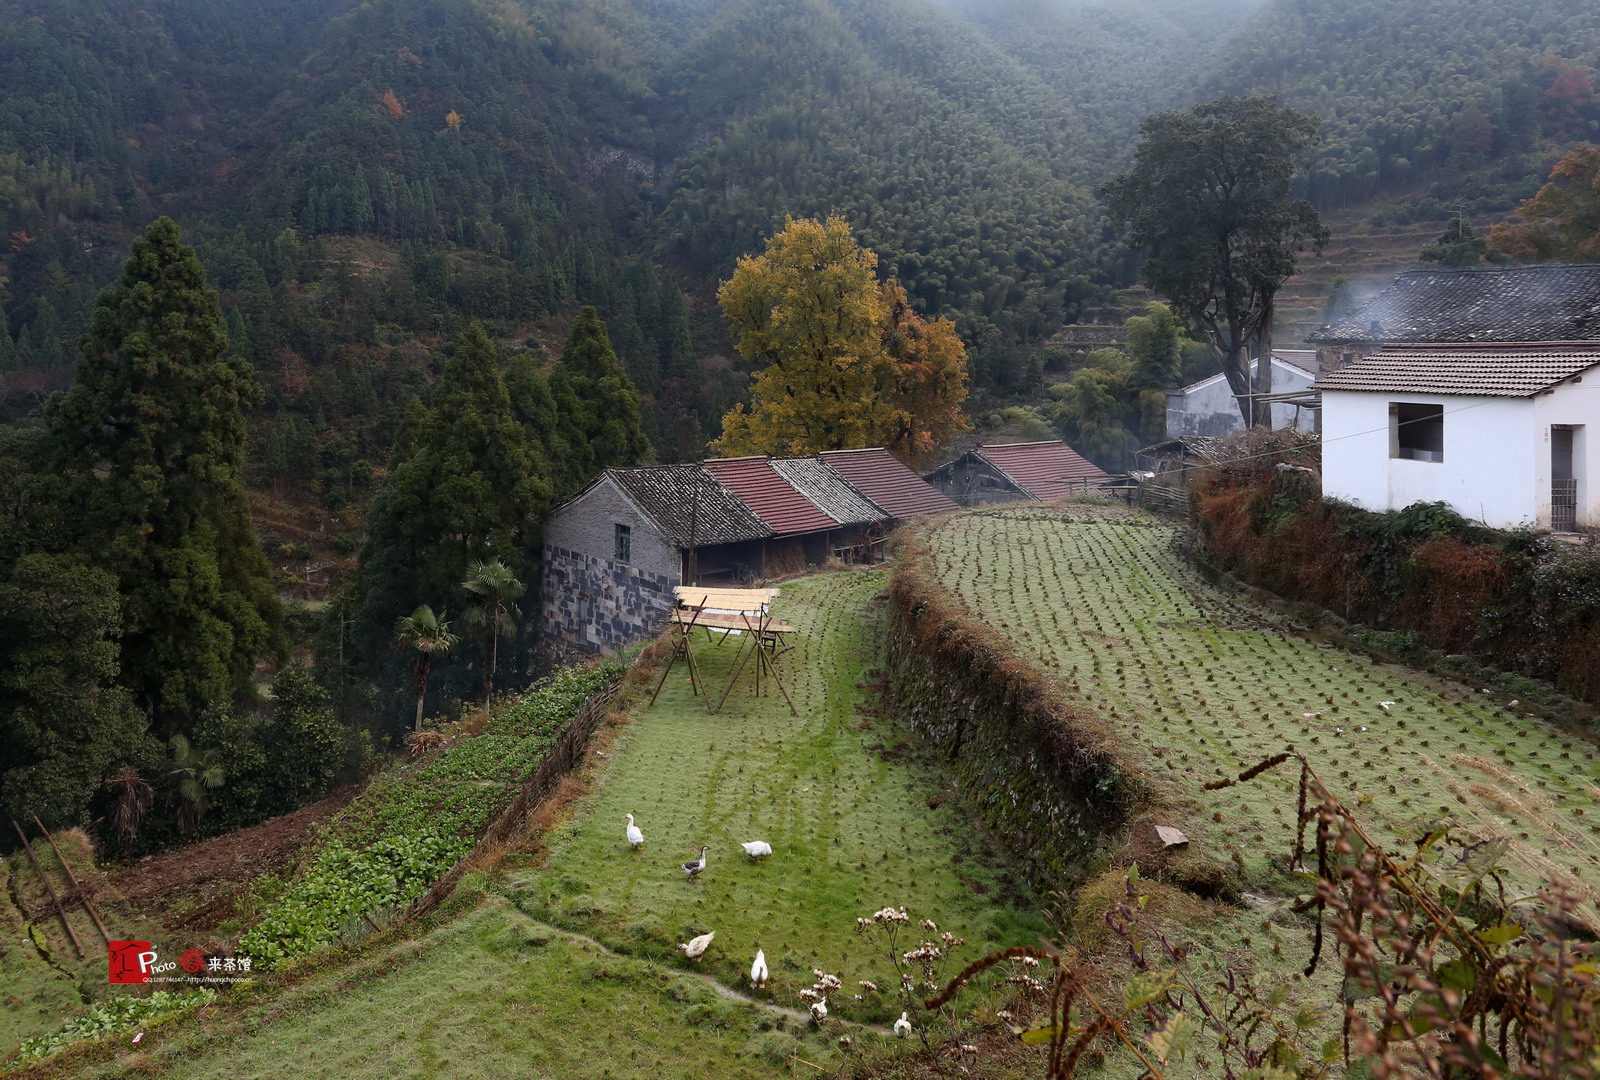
x=624 y=537
x=1416 y=432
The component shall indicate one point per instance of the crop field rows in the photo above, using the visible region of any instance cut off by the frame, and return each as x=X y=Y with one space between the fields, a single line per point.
x=1208 y=686
x=851 y=831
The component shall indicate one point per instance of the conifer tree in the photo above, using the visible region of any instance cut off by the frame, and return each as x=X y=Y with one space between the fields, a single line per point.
x=468 y=488
x=600 y=406
x=151 y=438
x=65 y=724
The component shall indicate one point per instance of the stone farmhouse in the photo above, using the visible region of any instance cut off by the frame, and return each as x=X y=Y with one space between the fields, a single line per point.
x=614 y=552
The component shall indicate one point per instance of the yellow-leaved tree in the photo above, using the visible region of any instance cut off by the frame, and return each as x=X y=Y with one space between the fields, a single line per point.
x=844 y=362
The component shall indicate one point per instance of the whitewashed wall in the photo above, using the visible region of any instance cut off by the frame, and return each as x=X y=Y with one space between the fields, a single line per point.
x=1496 y=457
x=1577 y=404
x=1208 y=407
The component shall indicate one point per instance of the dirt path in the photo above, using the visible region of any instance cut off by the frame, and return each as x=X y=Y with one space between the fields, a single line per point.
x=199 y=887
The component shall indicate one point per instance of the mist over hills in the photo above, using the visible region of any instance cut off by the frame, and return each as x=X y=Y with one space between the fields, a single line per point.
x=363 y=179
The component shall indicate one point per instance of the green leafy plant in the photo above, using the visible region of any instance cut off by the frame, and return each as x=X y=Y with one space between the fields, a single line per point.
x=110 y=1017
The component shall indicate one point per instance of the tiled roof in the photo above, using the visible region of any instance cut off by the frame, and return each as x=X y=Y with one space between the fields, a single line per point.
x=828 y=490
x=1503 y=303
x=672 y=494
x=1046 y=470
x=772 y=498
x=885 y=480
x=1304 y=359
x=1512 y=370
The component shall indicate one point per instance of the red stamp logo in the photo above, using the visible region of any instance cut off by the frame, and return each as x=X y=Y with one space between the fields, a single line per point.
x=192 y=961
x=130 y=961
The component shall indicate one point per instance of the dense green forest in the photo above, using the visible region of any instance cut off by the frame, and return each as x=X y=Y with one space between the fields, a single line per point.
x=489 y=231
x=1477 y=99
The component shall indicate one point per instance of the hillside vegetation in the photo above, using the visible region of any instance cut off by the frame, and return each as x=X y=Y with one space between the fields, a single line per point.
x=361 y=180
x=1426 y=89
x=564 y=960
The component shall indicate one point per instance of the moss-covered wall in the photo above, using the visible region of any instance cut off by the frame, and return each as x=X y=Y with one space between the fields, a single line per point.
x=1048 y=782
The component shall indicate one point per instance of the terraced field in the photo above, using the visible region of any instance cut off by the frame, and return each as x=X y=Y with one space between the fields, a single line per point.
x=563 y=963
x=1208 y=686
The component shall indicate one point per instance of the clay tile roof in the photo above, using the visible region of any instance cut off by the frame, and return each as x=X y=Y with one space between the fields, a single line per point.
x=671 y=494
x=1501 y=303
x=771 y=497
x=885 y=480
x=1511 y=370
x=1046 y=470
x=828 y=490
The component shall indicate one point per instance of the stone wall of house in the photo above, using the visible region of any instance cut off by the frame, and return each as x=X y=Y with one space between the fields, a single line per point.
x=591 y=599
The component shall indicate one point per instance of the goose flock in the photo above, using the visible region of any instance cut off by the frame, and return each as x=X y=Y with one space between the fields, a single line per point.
x=696 y=947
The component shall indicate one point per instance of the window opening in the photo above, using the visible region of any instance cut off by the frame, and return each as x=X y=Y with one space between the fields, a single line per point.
x=1416 y=432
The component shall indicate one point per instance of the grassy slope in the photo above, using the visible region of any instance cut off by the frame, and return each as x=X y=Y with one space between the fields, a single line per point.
x=1208 y=687
x=34 y=995
x=851 y=832
x=496 y=992
x=39 y=988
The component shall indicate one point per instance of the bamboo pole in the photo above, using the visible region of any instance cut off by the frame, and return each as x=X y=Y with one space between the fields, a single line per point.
x=83 y=897
x=61 y=912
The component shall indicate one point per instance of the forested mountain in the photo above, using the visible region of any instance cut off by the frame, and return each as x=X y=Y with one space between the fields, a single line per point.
x=1413 y=90
x=363 y=179
x=1116 y=63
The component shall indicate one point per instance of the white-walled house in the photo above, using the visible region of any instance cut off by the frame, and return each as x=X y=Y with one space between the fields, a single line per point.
x=1500 y=432
x=1208 y=407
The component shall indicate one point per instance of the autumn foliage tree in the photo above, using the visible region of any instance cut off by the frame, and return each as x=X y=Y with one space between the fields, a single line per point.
x=844 y=362
x=1562 y=220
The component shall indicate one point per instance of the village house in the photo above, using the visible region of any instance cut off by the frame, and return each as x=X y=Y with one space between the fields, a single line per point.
x=888 y=482
x=614 y=551
x=1017 y=472
x=1208 y=407
x=1498 y=431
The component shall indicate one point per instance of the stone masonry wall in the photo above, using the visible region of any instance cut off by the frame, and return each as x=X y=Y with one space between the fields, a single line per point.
x=590 y=599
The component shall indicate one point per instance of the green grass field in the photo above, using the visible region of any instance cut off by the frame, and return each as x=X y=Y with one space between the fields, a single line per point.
x=508 y=988
x=851 y=830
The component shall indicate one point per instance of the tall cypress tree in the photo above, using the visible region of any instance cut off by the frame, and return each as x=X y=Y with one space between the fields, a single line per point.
x=467 y=487
x=600 y=406
x=151 y=439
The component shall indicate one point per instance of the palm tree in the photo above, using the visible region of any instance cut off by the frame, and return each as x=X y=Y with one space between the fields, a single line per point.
x=430 y=636
x=495 y=587
x=134 y=798
x=198 y=772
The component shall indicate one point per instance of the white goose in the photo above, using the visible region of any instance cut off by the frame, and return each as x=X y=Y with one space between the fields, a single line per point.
x=695 y=948
x=757 y=848
x=635 y=834
x=902 y=1026
x=694 y=867
x=758 y=971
